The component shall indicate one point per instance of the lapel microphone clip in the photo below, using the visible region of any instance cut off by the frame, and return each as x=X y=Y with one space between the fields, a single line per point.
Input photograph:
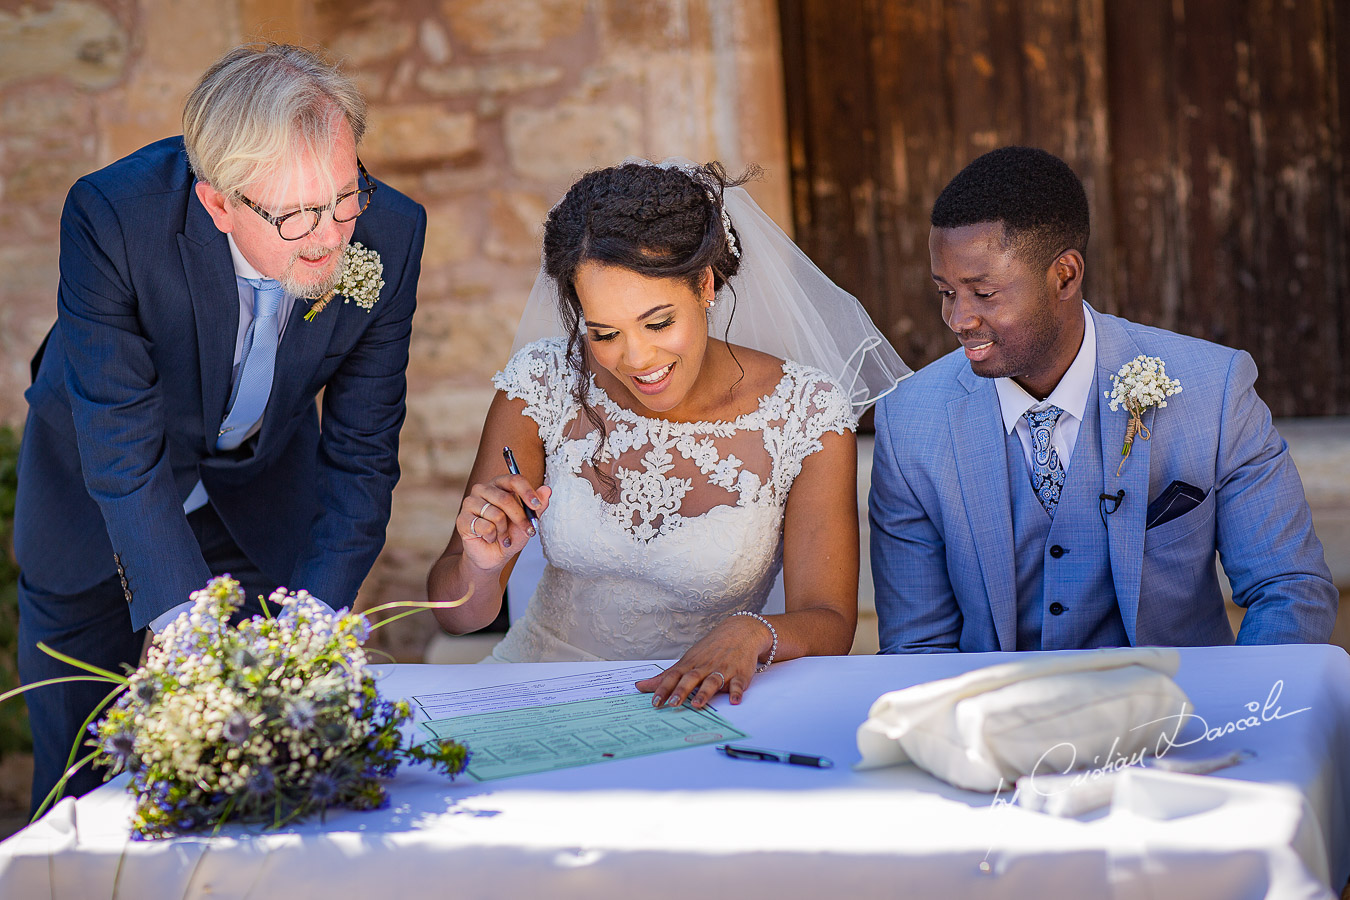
x=1113 y=499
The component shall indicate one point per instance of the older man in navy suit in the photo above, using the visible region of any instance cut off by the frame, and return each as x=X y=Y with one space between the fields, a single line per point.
x=1003 y=514
x=173 y=431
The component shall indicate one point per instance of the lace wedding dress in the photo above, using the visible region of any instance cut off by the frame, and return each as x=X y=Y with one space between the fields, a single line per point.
x=695 y=532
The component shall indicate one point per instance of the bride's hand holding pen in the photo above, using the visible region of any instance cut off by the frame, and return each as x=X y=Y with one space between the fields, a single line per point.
x=498 y=517
x=495 y=520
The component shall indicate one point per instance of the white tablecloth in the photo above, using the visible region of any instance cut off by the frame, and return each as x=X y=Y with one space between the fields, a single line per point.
x=692 y=824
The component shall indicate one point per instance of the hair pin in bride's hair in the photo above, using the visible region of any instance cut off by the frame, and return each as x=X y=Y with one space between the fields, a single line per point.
x=726 y=227
x=700 y=176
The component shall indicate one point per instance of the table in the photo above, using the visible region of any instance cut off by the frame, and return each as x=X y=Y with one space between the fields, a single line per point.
x=694 y=824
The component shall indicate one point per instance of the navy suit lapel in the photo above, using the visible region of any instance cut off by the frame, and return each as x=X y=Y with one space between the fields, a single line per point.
x=982 y=472
x=1125 y=527
x=215 y=304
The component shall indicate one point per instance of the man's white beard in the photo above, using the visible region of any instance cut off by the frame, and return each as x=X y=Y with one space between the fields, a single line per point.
x=297 y=288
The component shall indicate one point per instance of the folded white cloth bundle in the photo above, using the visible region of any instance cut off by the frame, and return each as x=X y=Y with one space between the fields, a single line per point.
x=1047 y=714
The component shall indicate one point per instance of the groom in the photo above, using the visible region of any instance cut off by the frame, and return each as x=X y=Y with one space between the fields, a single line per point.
x=1003 y=516
x=172 y=430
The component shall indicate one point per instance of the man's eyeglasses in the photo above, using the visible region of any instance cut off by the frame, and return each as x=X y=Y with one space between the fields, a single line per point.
x=293 y=226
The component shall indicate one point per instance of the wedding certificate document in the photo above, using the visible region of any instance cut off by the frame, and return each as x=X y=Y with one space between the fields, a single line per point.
x=559 y=723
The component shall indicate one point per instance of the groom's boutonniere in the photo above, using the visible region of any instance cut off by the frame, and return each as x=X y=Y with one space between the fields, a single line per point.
x=1141 y=383
x=361 y=281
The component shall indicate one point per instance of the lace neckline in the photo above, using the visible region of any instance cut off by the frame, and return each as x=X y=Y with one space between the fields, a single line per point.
x=600 y=397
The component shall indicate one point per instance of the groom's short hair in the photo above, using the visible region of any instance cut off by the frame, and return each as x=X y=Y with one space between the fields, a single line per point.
x=1037 y=197
x=262 y=105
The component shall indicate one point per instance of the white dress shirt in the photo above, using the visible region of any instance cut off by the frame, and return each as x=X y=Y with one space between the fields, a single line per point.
x=1070 y=395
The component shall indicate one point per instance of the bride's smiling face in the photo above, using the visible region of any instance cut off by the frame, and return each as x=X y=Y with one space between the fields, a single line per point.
x=650 y=334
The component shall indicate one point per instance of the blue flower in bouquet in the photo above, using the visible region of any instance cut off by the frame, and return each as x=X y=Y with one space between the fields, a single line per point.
x=261 y=783
x=117 y=745
x=236 y=729
x=323 y=789
x=334 y=732
x=300 y=714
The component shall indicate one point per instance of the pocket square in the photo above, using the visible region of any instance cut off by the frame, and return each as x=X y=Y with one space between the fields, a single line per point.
x=1174 y=502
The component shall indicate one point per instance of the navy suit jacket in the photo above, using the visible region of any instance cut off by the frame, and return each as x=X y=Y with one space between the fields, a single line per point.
x=941 y=523
x=129 y=395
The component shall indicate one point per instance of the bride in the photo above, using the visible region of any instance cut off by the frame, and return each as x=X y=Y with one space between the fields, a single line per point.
x=684 y=428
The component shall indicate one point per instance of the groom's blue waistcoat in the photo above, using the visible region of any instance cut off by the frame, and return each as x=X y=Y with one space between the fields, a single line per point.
x=948 y=553
x=1065 y=597
x=133 y=384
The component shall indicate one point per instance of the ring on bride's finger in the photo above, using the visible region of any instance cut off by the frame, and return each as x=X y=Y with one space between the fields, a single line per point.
x=482 y=513
x=722 y=678
x=474 y=531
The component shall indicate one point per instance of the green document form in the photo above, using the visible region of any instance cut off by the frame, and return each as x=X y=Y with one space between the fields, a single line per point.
x=579 y=733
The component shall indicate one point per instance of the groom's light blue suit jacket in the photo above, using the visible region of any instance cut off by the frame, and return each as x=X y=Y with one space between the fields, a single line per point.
x=941 y=522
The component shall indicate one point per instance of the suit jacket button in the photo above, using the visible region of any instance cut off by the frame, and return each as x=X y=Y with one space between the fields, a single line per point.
x=1057 y=551
x=1056 y=608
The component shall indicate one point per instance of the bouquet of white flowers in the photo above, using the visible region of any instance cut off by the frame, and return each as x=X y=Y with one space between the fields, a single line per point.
x=268 y=721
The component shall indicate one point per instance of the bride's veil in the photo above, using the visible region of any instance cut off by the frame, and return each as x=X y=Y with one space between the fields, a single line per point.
x=783 y=304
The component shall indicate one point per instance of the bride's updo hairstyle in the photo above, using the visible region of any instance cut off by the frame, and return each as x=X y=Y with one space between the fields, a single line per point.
x=659 y=222
x=655 y=221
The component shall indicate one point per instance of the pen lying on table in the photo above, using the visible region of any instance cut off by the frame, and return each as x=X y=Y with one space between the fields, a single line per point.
x=782 y=756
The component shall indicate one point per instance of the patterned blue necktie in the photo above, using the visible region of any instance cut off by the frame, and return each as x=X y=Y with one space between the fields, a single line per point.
x=257 y=363
x=1047 y=474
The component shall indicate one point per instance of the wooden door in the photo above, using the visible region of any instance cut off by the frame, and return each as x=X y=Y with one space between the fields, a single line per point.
x=1210 y=135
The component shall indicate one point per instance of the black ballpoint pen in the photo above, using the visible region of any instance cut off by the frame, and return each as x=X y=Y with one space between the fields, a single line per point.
x=782 y=756
x=515 y=470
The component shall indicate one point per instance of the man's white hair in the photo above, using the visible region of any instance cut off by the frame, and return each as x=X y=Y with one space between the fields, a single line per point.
x=259 y=107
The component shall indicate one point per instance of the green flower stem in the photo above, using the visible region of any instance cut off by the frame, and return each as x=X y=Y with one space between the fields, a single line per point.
x=60 y=787
x=224 y=815
x=71 y=766
x=64 y=679
x=80 y=664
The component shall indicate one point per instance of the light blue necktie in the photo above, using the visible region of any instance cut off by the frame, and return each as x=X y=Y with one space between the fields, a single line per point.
x=1047 y=474
x=256 y=365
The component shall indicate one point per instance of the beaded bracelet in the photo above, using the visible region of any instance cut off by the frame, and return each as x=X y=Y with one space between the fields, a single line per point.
x=773 y=631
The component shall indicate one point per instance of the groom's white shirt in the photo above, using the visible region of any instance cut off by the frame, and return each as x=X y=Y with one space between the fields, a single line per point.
x=1070 y=395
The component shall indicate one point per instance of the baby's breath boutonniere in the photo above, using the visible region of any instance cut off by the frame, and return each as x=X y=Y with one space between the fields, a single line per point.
x=362 y=280
x=1141 y=383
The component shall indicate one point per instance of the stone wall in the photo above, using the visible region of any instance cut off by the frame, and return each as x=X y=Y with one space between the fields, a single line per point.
x=482 y=110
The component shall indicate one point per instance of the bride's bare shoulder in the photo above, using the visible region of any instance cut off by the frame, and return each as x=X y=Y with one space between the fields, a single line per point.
x=760 y=368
